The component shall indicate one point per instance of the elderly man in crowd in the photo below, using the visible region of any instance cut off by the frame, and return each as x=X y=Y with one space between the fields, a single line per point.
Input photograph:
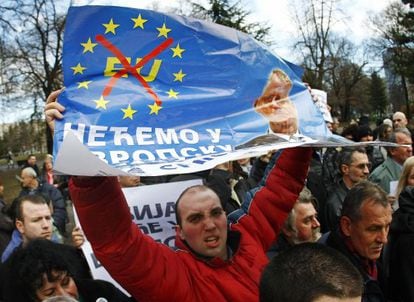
x=399 y=120
x=301 y=226
x=363 y=229
x=390 y=170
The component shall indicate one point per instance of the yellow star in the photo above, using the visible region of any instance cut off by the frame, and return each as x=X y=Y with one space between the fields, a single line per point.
x=177 y=51
x=178 y=76
x=129 y=112
x=88 y=46
x=84 y=84
x=101 y=103
x=139 y=21
x=172 y=94
x=110 y=27
x=163 y=31
x=78 y=69
x=155 y=108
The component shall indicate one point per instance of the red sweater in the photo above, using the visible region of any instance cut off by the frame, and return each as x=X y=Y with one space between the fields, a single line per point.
x=151 y=271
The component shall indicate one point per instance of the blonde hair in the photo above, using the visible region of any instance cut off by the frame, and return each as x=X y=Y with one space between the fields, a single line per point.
x=402 y=182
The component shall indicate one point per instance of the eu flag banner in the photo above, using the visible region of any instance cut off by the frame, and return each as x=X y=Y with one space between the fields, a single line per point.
x=152 y=93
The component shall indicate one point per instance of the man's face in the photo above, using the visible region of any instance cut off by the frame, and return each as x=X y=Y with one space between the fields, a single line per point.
x=369 y=234
x=276 y=110
x=36 y=222
x=28 y=181
x=399 y=121
x=274 y=104
x=64 y=285
x=307 y=224
x=358 y=170
x=400 y=154
x=31 y=160
x=203 y=223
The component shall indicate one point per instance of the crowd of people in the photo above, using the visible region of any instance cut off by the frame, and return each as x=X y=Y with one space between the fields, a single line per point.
x=333 y=226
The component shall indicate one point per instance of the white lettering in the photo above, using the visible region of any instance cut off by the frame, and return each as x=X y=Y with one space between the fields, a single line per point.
x=118 y=156
x=121 y=133
x=167 y=153
x=140 y=156
x=189 y=136
x=79 y=132
x=215 y=135
x=94 y=134
x=168 y=137
x=186 y=152
x=144 y=136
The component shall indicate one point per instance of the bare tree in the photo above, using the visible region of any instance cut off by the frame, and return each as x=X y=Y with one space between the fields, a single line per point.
x=343 y=75
x=34 y=59
x=394 y=42
x=314 y=20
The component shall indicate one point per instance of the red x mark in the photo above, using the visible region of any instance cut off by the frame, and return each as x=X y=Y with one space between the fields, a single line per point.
x=132 y=69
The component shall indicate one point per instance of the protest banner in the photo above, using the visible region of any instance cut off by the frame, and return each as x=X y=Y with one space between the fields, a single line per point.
x=151 y=93
x=153 y=213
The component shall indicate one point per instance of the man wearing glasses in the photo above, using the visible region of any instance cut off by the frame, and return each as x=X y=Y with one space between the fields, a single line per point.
x=354 y=166
x=390 y=170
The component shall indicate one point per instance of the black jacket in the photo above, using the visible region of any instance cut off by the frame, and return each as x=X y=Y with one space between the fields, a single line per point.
x=92 y=290
x=332 y=212
x=401 y=249
x=372 y=289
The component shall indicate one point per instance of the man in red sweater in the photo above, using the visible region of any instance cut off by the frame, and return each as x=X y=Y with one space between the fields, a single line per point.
x=218 y=258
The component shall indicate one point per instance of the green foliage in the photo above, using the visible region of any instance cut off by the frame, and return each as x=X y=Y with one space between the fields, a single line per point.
x=396 y=42
x=23 y=137
x=378 y=95
x=231 y=14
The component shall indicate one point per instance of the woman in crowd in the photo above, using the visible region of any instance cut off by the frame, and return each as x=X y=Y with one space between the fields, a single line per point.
x=401 y=239
x=39 y=271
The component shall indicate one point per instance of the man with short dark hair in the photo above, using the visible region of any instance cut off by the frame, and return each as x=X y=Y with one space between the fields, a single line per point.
x=32 y=219
x=31 y=185
x=363 y=229
x=353 y=165
x=31 y=162
x=310 y=272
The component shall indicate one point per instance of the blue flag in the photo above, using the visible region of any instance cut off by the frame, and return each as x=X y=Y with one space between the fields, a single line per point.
x=149 y=89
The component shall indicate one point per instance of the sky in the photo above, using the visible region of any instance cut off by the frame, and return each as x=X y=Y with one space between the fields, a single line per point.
x=352 y=16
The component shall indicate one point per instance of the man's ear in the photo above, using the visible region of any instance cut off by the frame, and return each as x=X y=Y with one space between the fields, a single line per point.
x=179 y=232
x=344 y=169
x=19 y=226
x=288 y=233
x=346 y=225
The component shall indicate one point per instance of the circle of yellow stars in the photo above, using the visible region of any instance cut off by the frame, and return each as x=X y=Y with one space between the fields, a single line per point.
x=110 y=29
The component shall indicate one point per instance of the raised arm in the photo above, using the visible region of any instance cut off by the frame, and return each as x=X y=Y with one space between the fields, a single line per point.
x=268 y=206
